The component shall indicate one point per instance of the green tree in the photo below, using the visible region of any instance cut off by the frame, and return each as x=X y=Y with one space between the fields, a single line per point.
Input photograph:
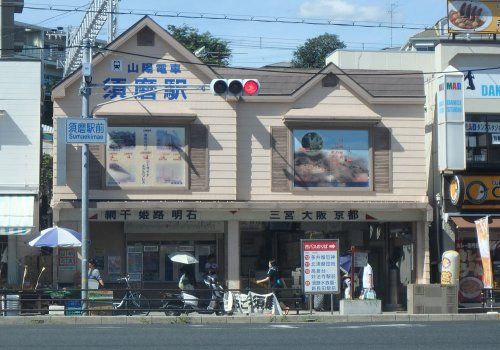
x=216 y=51
x=45 y=192
x=315 y=50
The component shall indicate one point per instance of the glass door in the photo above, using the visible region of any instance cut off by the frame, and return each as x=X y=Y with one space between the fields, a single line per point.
x=134 y=262
x=151 y=263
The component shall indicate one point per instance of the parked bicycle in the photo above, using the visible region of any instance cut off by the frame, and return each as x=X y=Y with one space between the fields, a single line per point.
x=133 y=302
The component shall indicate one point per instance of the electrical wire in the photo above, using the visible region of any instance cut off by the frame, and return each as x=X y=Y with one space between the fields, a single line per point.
x=288 y=71
x=60 y=15
x=311 y=71
x=228 y=17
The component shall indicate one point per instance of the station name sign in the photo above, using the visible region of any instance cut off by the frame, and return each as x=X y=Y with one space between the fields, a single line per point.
x=86 y=130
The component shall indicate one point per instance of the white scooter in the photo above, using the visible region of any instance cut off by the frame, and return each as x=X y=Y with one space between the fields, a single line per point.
x=188 y=303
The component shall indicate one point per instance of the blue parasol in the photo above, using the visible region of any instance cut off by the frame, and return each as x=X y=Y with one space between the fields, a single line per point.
x=345 y=263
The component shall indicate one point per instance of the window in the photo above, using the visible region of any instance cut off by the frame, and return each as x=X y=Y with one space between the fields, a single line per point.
x=146 y=157
x=334 y=158
x=482 y=141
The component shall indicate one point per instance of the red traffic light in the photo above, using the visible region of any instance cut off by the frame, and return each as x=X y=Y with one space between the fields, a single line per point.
x=251 y=87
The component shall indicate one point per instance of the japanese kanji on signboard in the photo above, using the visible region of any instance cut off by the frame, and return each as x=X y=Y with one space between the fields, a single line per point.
x=320 y=266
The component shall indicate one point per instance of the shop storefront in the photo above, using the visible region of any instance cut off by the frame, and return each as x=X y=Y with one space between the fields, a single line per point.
x=133 y=241
x=473 y=193
x=244 y=178
x=467 y=199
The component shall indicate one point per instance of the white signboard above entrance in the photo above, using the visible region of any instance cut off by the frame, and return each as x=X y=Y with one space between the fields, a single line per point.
x=486 y=84
x=86 y=130
x=320 y=266
x=278 y=217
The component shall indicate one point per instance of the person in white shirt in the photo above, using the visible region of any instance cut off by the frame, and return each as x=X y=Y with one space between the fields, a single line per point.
x=94 y=273
x=367 y=281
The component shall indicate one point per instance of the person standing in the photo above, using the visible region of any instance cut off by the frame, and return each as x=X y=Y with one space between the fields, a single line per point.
x=94 y=273
x=367 y=282
x=3 y=264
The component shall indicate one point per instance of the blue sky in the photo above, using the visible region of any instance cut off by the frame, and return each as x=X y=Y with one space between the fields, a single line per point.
x=256 y=44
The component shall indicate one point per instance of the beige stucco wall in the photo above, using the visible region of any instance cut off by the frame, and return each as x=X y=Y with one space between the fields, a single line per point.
x=239 y=137
x=211 y=110
x=459 y=55
x=408 y=147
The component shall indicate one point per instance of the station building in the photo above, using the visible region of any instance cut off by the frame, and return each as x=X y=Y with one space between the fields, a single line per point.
x=329 y=153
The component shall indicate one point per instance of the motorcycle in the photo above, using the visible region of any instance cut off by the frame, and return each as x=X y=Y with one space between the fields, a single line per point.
x=183 y=302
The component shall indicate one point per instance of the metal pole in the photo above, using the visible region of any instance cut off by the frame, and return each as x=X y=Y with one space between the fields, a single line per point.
x=85 y=92
x=353 y=285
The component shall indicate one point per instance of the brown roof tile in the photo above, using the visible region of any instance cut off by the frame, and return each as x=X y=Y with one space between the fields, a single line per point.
x=285 y=81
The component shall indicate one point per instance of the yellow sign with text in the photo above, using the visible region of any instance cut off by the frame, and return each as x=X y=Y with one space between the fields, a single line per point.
x=474 y=16
x=475 y=192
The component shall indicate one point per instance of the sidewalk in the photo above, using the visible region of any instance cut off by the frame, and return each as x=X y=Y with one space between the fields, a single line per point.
x=157 y=318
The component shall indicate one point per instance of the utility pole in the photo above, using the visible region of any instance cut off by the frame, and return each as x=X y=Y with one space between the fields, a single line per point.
x=85 y=92
x=392 y=11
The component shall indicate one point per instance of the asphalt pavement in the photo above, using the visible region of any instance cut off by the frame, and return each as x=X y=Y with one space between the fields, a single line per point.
x=415 y=335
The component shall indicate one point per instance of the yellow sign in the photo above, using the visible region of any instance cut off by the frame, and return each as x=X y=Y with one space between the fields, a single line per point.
x=474 y=192
x=474 y=16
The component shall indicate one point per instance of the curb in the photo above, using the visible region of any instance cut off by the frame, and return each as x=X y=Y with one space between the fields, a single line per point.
x=186 y=320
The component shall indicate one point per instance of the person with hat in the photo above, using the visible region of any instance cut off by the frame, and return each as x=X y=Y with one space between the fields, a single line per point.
x=94 y=272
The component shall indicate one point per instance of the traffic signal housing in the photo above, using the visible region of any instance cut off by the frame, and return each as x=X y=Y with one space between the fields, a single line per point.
x=235 y=87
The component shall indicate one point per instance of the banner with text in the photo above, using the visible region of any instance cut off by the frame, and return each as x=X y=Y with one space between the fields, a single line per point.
x=483 y=240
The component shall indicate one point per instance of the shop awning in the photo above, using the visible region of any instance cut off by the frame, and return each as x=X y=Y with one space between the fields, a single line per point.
x=467 y=222
x=16 y=214
x=314 y=116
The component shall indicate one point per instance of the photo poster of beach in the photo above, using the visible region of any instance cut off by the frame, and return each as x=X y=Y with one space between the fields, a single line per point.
x=146 y=157
x=331 y=158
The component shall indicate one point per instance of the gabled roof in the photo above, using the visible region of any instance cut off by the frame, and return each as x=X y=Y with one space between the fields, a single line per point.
x=378 y=83
x=123 y=38
x=281 y=84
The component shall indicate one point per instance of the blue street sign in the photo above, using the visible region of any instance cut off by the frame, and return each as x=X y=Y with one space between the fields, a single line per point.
x=86 y=131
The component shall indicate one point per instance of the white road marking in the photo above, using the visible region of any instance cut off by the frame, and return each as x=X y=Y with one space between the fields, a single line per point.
x=284 y=326
x=394 y=325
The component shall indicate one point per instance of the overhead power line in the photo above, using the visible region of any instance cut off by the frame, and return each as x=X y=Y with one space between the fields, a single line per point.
x=229 y=17
x=98 y=49
x=289 y=71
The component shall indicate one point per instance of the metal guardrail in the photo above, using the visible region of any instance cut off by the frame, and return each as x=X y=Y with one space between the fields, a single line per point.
x=488 y=300
x=106 y=301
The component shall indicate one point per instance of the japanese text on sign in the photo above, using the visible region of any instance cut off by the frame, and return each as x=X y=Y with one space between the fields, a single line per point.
x=150 y=215
x=86 y=130
x=147 y=86
x=320 y=266
x=316 y=215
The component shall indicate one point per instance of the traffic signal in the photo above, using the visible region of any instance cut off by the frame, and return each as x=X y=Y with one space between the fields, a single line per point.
x=235 y=87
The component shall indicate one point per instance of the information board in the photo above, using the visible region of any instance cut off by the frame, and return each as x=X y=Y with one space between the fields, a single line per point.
x=320 y=266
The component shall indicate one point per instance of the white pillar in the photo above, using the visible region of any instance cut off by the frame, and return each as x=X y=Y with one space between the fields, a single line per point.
x=422 y=253
x=233 y=254
x=13 y=266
